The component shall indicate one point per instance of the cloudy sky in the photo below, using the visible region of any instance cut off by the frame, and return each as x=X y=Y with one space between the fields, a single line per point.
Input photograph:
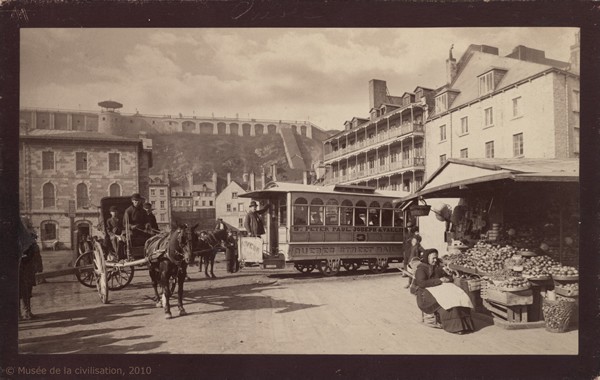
x=292 y=74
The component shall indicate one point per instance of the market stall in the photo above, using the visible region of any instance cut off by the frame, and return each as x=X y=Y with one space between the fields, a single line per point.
x=517 y=226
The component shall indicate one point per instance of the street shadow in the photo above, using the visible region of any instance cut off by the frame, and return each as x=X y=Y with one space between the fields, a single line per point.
x=242 y=297
x=89 y=342
x=88 y=316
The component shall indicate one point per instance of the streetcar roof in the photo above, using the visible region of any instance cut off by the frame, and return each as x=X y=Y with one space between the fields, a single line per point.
x=287 y=187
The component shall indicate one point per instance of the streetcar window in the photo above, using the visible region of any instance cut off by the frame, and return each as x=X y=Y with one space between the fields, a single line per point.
x=301 y=212
x=387 y=214
x=282 y=213
x=374 y=214
x=316 y=212
x=360 y=214
x=332 y=213
x=346 y=213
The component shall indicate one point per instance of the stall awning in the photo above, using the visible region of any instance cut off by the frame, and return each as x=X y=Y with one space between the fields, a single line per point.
x=456 y=175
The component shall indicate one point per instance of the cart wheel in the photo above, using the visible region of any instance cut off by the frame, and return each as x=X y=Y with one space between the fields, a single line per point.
x=102 y=287
x=351 y=266
x=329 y=267
x=119 y=277
x=85 y=269
x=101 y=275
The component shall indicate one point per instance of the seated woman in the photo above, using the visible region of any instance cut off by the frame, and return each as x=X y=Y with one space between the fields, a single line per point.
x=431 y=274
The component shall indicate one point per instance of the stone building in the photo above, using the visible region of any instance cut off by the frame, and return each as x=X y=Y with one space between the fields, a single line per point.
x=385 y=150
x=160 y=198
x=519 y=105
x=63 y=175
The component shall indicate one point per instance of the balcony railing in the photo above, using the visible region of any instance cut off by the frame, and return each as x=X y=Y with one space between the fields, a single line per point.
x=417 y=162
x=404 y=129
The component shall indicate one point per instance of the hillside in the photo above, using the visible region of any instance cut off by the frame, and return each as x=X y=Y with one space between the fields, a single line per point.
x=184 y=153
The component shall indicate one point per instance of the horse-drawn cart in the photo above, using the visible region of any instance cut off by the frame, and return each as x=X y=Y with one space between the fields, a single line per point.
x=100 y=266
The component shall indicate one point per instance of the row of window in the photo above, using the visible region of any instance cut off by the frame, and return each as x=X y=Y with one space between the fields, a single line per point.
x=82 y=194
x=187 y=202
x=488 y=119
x=81 y=161
x=229 y=208
x=332 y=213
x=489 y=149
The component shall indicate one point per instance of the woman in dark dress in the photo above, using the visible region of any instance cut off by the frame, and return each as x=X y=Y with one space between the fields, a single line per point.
x=428 y=274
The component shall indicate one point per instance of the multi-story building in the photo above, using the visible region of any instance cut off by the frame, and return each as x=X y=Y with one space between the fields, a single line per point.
x=160 y=198
x=63 y=174
x=387 y=149
x=229 y=206
x=520 y=105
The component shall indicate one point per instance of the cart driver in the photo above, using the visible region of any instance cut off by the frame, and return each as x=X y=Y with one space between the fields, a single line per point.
x=114 y=227
x=136 y=218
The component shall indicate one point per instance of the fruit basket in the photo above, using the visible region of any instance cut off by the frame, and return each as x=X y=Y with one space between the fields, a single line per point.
x=538 y=278
x=557 y=314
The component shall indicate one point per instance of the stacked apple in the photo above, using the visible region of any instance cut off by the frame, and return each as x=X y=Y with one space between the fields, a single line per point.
x=514 y=283
x=460 y=259
x=569 y=288
x=538 y=266
x=490 y=258
x=563 y=270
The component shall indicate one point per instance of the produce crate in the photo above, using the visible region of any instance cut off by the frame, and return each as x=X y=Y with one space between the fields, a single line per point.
x=521 y=297
x=472 y=290
x=566 y=292
x=507 y=313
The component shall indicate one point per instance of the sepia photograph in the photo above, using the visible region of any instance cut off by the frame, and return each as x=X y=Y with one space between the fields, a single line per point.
x=297 y=192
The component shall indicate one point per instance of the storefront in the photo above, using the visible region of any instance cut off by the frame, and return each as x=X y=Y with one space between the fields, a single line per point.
x=514 y=224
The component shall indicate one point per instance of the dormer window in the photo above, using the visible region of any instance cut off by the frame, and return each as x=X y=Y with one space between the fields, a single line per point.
x=486 y=83
x=489 y=80
x=441 y=102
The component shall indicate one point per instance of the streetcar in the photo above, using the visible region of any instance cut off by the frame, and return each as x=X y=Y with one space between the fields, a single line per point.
x=325 y=228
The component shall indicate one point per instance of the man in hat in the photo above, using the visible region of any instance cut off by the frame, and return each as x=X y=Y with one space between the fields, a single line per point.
x=253 y=222
x=220 y=225
x=151 y=218
x=30 y=263
x=135 y=219
x=114 y=227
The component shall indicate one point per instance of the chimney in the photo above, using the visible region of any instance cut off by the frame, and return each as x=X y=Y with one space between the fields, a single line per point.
x=305 y=177
x=252 y=184
x=273 y=173
x=263 y=178
x=451 y=67
x=575 y=52
x=228 y=178
x=377 y=93
x=245 y=177
x=214 y=179
x=190 y=181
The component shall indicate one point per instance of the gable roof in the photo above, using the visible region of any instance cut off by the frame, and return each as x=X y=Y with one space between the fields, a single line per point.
x=478 y=63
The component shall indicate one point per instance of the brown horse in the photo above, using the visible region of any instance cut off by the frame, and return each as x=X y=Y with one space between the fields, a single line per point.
x=169 y=255
x=206 y=247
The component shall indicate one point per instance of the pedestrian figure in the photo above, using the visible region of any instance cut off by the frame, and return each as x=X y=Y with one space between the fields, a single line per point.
x=30 y=263
x=230 y=252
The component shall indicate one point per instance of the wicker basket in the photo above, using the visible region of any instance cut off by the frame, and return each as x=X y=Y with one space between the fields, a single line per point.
x=557 y=314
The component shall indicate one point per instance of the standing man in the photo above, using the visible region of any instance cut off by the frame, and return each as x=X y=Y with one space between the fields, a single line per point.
x=136 y=219
x=230 y=256
x=220 y=225
x=151 y=217
x=30 y=263
x=253 y=222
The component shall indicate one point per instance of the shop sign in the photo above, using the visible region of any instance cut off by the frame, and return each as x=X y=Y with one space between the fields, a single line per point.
x=344 y=229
